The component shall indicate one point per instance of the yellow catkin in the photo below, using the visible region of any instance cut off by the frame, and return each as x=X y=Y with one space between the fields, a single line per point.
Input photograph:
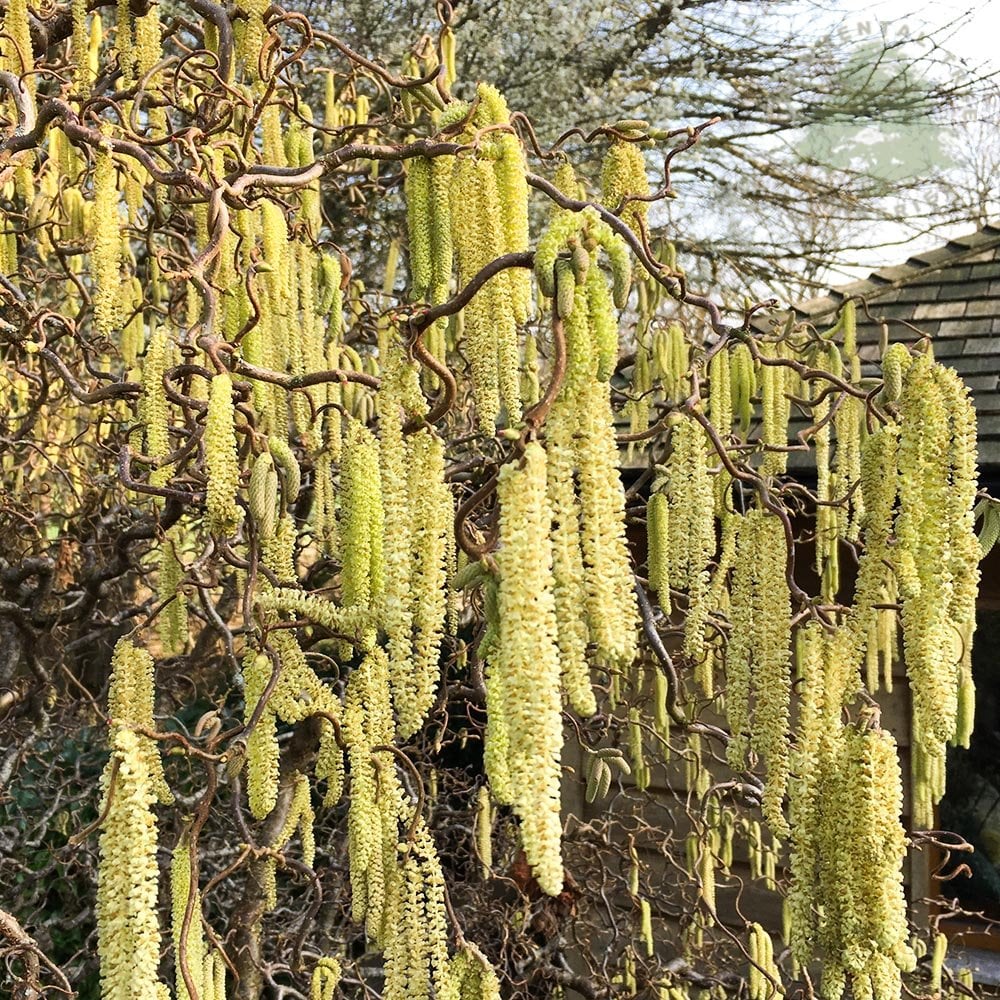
x=720 y=411
x=362 y=578
x=963 y=543
x=419 y=223
x=18 y=57
x=432 y=511
x=330 y=765
x=278 y=551
x=581 y=424
x=568 y=570
x=489 y=321
x=262 y=743
x=130 y=705
x=325 y=979
x=496 y=751
x=128 y=938
x=846 y=902
x=512 y=188
x=416 y=958
x=153 y=407
x=221 y=463
x=471 y=975
x=483 y=827
x=105 y=256
x=418 y=516
x=193 y=942
x=658 y=547
x=743 y=382
x=758 y=656
x=623 y=175
x=774 y=403
x=376 y=805
x=173 y=618
x=300 y=816
x=922 y=561
x=879 y=486
x=827 y=536
x=262 y=495
x=848 y=422
x=287 y=466
x=147 y=41
x=82 y=76
x=603 y=323
x=442 y=247
x=611 y=607
x=527 y=663
x=935 y=548
x=691 y=527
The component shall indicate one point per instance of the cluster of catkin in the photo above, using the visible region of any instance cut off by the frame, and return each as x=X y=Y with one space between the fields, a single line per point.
x=847 y=903
x=467 y=211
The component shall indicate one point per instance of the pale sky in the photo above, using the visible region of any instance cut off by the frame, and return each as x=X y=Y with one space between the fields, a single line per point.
x=974 y=39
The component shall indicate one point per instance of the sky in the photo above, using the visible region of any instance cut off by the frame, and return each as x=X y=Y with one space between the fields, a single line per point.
x=972 y=37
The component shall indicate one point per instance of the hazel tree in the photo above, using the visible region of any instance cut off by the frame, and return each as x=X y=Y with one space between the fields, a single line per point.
x=337 y=598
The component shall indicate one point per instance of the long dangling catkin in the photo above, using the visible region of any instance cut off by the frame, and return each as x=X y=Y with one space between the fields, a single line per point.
x=105 y=255
x=757 y=658
x=419 y=223
x=658 y=547
x=442 y=247
x=221 y=463
x=130 y=705
x=512 y=188
x=879 y=486
x=362 y=519
x=720 y=411
x=848 y=422
x=153 y=404
x=376 y=802
x=581 y=425
x=743 y=380
x=262 y=743
x=128 y=937
x=148 y=51
x=623 y=175
x=82 y=76
x=194 y=943
x=489 y=321
x=496 y=749
x=923 y=566
x=611 y=605
x=527 y=664
x=568 y=570
x=774 y=404
x=174 y=617
x=416 y=958
x=963 y=545
x=864 y=932
x=418 y=512
x=432 y=511
x=691 y=527
x=17 y=28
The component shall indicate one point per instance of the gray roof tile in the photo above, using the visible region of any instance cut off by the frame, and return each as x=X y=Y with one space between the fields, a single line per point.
x=938 y=310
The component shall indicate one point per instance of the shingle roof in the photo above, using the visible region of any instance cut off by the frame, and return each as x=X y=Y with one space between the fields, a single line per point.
x=951 y=294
